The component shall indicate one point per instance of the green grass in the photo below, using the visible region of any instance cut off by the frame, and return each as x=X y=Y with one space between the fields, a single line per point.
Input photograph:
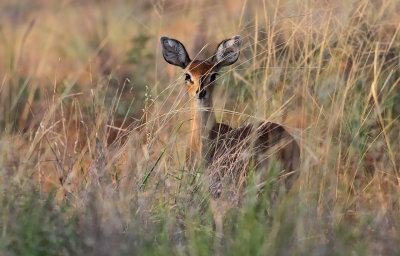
x=326 y=70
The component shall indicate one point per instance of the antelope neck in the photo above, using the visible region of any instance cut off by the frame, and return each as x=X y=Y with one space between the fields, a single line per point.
x=202 y=121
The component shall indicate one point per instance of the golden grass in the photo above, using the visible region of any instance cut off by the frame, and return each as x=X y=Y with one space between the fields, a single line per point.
x=88 y=107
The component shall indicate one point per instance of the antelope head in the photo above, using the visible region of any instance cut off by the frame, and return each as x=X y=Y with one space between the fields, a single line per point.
x=200 y=75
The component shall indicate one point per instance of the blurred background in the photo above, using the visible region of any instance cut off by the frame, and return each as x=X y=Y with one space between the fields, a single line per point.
x=94 y=124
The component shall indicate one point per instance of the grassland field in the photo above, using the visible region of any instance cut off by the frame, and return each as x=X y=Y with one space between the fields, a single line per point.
x=94 y=124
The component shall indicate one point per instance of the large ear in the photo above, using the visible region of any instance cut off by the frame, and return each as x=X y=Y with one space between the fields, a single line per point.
x=174 y=52
x=228 y=51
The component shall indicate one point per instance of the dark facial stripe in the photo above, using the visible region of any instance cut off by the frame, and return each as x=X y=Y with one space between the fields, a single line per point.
x=202 y=79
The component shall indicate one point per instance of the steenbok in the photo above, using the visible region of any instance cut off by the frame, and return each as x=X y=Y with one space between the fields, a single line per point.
x=225 y=150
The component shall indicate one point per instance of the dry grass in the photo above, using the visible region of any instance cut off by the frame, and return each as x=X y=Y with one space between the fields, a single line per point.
x=94 y=125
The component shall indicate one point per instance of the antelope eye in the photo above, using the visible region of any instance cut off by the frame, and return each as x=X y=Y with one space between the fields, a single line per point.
x=213 y=77
x=187 y=77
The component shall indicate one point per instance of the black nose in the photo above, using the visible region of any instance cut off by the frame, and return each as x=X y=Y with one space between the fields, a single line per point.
x=201 y=94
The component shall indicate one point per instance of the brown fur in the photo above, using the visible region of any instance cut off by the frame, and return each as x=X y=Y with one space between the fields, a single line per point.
x=222 y=149
x=198 y=69
x=226 y=152
x=213 y=142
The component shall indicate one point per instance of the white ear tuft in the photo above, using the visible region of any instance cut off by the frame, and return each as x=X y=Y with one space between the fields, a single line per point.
x=228 y=51
x=174 y=52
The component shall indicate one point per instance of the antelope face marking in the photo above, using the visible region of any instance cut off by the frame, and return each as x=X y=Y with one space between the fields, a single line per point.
x=200 y=75
x=200 y=79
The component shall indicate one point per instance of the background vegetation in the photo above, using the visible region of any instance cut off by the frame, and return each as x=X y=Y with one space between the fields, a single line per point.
x=93 y=126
